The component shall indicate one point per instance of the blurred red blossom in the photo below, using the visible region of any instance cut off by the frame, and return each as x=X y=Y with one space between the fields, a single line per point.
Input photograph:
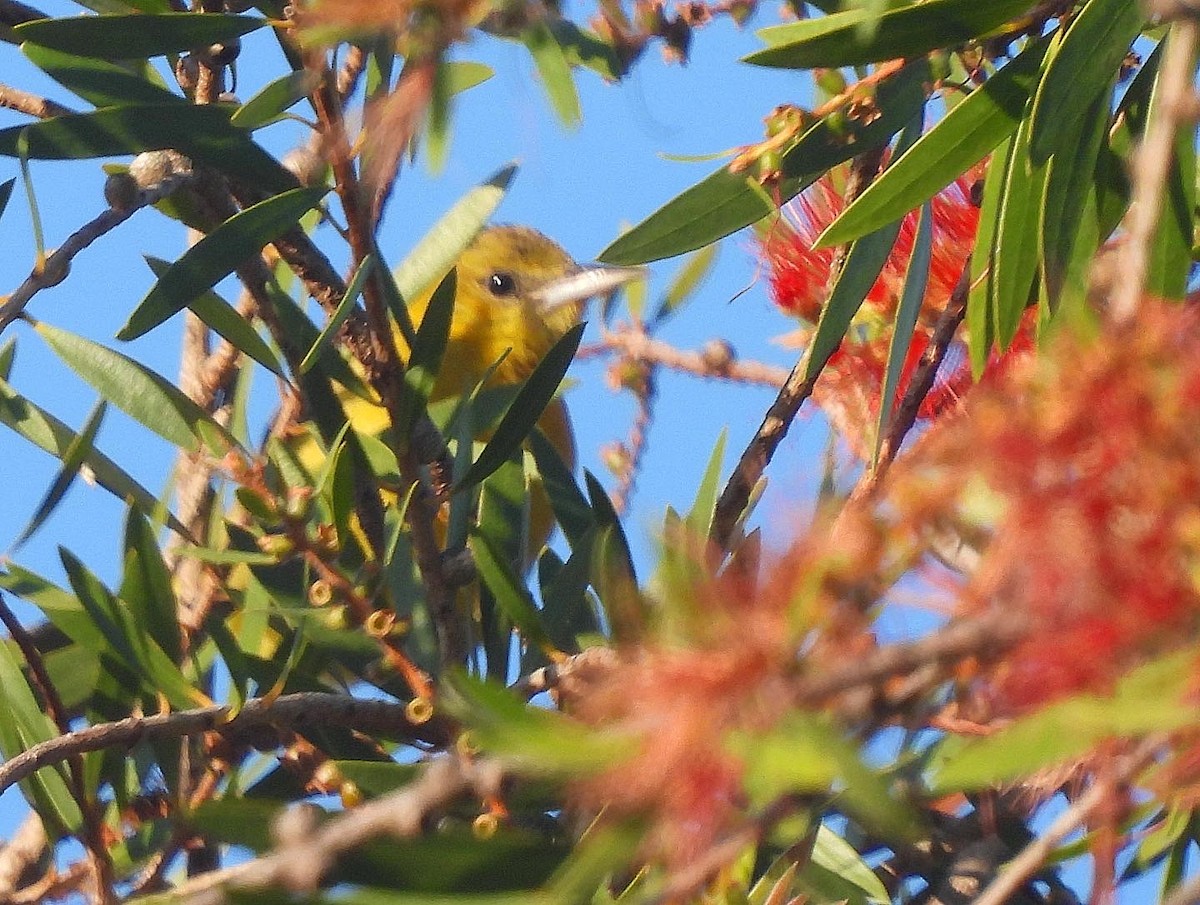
x=1089 y=457
x=722 y=662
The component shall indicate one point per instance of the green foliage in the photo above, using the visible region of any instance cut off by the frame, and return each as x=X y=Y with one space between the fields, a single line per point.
x=740 y=726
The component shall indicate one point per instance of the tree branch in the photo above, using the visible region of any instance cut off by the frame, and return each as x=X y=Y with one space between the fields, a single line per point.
x=293 y=711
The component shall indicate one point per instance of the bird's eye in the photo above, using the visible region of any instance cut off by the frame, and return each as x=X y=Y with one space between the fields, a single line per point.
x=502 y=283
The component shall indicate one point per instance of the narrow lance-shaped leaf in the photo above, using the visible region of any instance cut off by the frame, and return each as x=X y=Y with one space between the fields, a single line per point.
x=1171 y=251
x=77 y=452
x=979 y=318
x=23 y=724
x=1070 y=209
x=425 y=360
x=518 y=422
x=138 y=392
x=859 y=36
x=509 y=592
x=201 y=131
x=570 y=506
x=907 y=313
x=118 y=37
x=1092 y=49
x=344 y=307
x=8 y=354
x=555 y=72
x=1016 y=244
x=146 y=585
x=700 y=516
x=958 y=141
x=217 y=255
x=864 y=262
x=725 y=202
x=689 y=278
x=99 y=82
x=223 y=318
x=6 y=188
x=435 y=254
x=273 y=99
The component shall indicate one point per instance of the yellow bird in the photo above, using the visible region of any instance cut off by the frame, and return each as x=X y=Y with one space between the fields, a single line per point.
x=517 y=292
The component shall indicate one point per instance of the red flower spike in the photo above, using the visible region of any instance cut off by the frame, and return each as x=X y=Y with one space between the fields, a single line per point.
x=800 y=278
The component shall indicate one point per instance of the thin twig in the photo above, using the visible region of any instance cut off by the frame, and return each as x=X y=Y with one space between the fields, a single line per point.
x=385 y=372
x=988 y=634
x=757 y=455
x=294 y=711
x=796 y=389
x=21 y=851
x=1037 y=852
x=57 y=264
x=308 y=854
x=31 y=104
x=1152 y=165
x=638 y=346
x=635 y=444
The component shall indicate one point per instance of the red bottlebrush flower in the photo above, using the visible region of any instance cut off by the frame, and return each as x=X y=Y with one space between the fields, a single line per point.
x=800 y=277
x=1092 y=453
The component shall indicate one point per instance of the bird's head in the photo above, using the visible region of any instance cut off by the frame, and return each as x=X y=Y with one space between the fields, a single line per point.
x=519 y=290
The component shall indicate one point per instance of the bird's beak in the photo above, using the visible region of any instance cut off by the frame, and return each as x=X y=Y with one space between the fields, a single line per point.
x=586 y=282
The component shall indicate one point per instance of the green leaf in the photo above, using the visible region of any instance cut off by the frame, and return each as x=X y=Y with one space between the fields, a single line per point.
x=1152 y=698
x=427 y=351
x=725 y=202
x=117 y=37
x=840 y=872
x=225 y=320
x=77 y=452
x=127 y=640
x=568 y=610
x=6 y=193
x=432 y=257
x=522 y=415
x=1070 y=227
x=98 y=82
x=23 y=724
x=1092 y=50
x=805 y=754
x=859 y=36
x=570 y=506
x=217 y=255
x=533 y=740
x=555 y=72
x=700 y=516
x=201 y=131
x=8 y=353
x=979 y=320
x=689 y=278
x=270 y=103
x=137 y=391
x=340 y=313
x=864 y=262
x=1171 y=251
x=513 y=598
x=45 y=431
x=1016 y=242
x=583 y=48
x=915 y=282
x=958 y=141
x=63 y=609
x=146 y=585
